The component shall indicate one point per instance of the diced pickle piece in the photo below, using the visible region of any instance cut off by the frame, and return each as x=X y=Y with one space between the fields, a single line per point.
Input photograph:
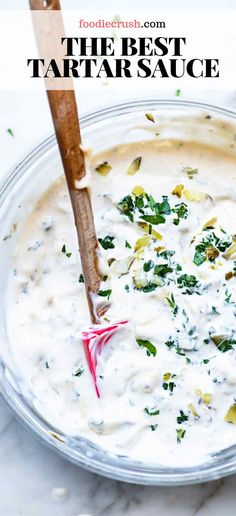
x=210 y=223
x=142 y=242
x=192 y=409
x=166 y=377
x=218 y=339
x=231 y=415
x=192 y=195
x=135 y=166
x=104 y=168
x=178 y=190
x=211 y=253
x=138 y=190
x=150 y=117
x=231 y=252
x=207 y=398
x=146 y=227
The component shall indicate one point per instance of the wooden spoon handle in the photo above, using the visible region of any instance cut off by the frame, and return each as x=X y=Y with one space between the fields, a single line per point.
x=39 y=5
x=65 y=118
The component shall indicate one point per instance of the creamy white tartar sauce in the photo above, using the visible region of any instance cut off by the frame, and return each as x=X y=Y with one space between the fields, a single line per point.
x=165 y=220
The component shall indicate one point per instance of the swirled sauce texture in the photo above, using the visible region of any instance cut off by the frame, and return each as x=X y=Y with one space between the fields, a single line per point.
x=165 y=219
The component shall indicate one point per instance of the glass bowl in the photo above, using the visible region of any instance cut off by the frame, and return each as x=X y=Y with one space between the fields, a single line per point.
x=19 y=190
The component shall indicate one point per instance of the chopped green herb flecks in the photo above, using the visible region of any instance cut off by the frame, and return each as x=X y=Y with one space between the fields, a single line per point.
x=10 y=131
x=182 y=417
x=198 y=258
x=150 y=348
x=145 y=208
x=180 y=434
x=187 y=282
x=181 y=211
x=81 y=278
x=107 y=242
x=162 y=270
x=78 y=372
x=147 y=266
x=126 y=207
x=64 y=251
x=104 y=293
x=169 y=386
x=153 y=427
x=172 y=304
x=210 y=248
x=151 y=412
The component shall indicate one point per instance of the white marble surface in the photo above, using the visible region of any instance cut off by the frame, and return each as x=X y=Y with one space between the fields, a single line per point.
x=29 y=471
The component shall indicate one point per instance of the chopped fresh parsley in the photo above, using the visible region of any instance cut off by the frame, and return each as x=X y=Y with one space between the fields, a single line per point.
x=182 y=417
x=178 y=93
x=81 y=278
x=180 y=434
x=181 y=211
x=10 y=131
x=147 y=266
x=141 y=205
x=150 y=348
x=162 y=269
x=214 y=310
x=127 y=245
x=166 y=254
x=79 y=372
x=126 y=207
x=148 y=288
x=64 y=251
x=198 y=258
x=169 y=386
x=187 y=282
x=104 y=293
x=179 y=350
x=107 y=242
x=210 y=248
x=151 y=412
x=153 y=427
x=227 y=297
x=154 y=219
x=170 y=344
x=172 y=304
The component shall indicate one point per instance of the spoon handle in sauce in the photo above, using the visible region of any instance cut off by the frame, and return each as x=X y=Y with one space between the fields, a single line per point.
x=66 y=123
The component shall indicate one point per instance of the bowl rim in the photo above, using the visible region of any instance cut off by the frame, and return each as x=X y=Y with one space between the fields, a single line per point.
x=145 y=475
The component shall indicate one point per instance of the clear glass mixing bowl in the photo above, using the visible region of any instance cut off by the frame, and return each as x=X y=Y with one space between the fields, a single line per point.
x=19 y=190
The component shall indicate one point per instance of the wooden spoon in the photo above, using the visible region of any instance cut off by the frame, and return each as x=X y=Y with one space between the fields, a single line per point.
x=66 y=123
